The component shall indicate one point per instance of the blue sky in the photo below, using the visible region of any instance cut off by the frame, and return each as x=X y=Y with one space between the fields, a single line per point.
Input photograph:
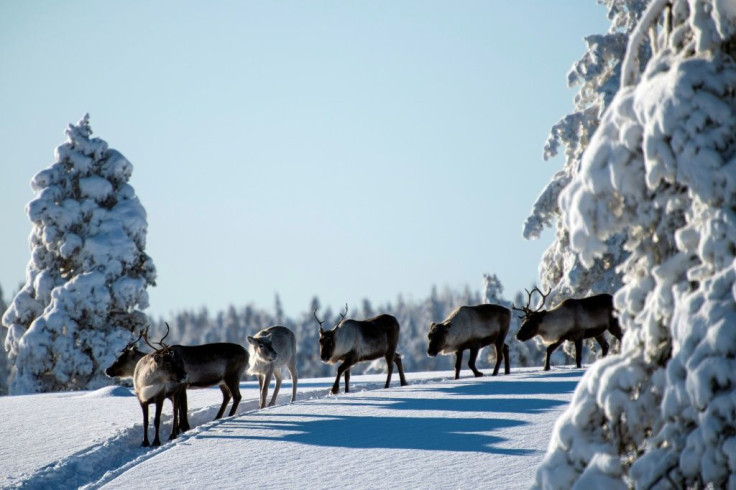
x=346 y=150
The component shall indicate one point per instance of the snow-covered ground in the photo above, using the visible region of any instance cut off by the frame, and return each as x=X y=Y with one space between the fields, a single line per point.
x=435 y=433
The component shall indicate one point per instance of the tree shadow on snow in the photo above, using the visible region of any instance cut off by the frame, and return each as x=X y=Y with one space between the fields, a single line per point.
x=365 y=432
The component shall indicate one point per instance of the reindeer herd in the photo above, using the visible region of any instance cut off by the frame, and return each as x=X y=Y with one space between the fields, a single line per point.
x=168 y=371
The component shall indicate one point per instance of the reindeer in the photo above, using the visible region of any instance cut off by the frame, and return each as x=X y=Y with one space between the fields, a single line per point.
x=353 y=341
x=270 y=349
x=156 y=377
x=472 y=327
x=573 y=319
x=221 y=364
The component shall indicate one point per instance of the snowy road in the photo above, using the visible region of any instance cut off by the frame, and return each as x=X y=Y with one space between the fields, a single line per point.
x=435 y=433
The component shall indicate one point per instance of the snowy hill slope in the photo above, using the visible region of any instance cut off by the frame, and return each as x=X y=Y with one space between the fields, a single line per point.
x=437 y=433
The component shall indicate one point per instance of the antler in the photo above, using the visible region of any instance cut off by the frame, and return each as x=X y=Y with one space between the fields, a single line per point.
x=526 y=309
x=544 y=297
x=144 y=334
x=318 y=320
x=343 y=315
x=161 y=342
x=131 y=344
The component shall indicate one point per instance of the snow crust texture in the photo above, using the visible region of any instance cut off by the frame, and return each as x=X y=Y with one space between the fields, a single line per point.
x=88 y=271
x=435 y=433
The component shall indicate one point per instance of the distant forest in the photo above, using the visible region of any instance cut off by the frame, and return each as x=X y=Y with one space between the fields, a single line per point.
x=199 y=326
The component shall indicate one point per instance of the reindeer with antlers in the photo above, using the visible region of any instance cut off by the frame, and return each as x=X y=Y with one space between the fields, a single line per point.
x=353 y=341
x=158 y=376
x=573 y=319
x=206 y=365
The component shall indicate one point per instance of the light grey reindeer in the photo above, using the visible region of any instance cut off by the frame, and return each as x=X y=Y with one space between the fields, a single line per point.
x=270 y=350
x=472 y=328
x=353 y=341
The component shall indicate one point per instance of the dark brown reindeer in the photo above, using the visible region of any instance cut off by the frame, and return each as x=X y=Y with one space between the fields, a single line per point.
x=472 y=328
x=573 y=319
x=353 y=341
x=206 y=365
x=156 y=377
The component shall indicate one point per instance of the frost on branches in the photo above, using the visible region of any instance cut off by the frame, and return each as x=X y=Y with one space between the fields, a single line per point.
x=661 y=170
x=598 y=74
x=88 y=271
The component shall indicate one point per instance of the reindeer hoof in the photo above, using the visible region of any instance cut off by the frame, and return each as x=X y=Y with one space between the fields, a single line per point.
x=478 y=374
x=145 y=444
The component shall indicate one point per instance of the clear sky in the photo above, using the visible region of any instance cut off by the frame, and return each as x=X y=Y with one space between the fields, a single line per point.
x=346 y=150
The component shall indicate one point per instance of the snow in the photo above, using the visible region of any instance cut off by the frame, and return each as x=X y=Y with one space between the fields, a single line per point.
x=436 y=432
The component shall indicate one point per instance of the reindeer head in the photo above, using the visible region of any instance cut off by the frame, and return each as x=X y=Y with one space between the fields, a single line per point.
x=437 y=335
x=263 y=348
x=531 y=319
x=124 y=365
x=327 y=337
x=167 y=358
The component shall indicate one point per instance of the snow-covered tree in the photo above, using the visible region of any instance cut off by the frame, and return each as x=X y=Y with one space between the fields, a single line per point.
x=492 y=289
x=661 y=172
x=4 y=372
x=88 y=271
x=598 y=75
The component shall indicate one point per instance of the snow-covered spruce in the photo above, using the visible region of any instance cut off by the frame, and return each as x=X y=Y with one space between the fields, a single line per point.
x=661 y=170
x=88 y=271
x=598 y=74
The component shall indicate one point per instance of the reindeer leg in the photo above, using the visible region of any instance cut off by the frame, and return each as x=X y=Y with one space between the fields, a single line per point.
x=343 y=368
x=578 y=352
x=397 y=360
x=157 y=421
x=603 y=343
x=471 y=362
x=277 y=375
x=225 y=400
x=390 y=367
x=506 y=360
x=294 y=376
x=144 y=407
x=550 y=349
x=458 y=362
x=183 y=408
x=264 y=389
x=175 y=418
x=233 y=384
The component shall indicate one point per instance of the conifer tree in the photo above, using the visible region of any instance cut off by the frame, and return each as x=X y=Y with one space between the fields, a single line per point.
x=598 y=74
x=661 y=172
x=88 y=273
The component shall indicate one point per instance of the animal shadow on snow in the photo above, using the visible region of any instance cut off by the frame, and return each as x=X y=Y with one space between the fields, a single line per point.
x=462 y=434
x=366 y=432
x=456 y=397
